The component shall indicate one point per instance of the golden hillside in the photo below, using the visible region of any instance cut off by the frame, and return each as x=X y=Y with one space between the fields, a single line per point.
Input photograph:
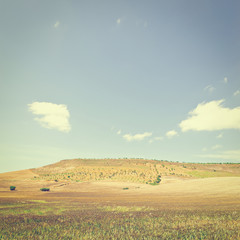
x=130 y=170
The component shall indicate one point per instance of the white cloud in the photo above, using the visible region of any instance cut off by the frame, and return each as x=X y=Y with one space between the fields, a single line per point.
x=137 y=137
x=56 y=25
x=119 y=132
x=209 y=88
x=204 y=149
x=236 y=93
x=119 y=20
x=212 y=116
x=232 y=155
x=217 y=146
x=171 y=133
x=54 y=116
x=225 y=80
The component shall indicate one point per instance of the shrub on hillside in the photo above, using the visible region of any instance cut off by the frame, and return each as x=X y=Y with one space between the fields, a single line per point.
x=156 y=182
x=158 y=179
x=12 y=188
x=45 y=189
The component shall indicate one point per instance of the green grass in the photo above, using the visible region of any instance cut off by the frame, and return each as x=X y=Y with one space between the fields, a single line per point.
x=154 y=183
x=48 y=220
x=33 y=207
x=124 y=209
x=38 y=201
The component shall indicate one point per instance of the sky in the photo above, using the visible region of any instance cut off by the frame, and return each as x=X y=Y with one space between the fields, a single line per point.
x=153 y=79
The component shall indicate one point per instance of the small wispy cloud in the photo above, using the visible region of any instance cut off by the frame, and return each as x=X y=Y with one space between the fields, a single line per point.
x=56 y=24
x=236 y=93
x=119 y=21
x=53 y=116
x=171 y=133
x=137 y=137
x=119 y=132
x=209 y=88
x=204 y=149
x=225 y=80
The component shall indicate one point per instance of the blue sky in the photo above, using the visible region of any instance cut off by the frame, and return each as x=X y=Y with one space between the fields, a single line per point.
x=100 y=79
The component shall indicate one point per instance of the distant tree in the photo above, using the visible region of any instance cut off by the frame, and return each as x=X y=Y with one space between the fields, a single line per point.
x=12 y=188
x=45 y=189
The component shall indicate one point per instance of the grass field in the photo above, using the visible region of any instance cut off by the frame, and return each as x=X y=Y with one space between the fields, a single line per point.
x=58 y=220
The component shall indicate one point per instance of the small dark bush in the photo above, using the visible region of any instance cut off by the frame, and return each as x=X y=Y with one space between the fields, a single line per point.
x=12 y=188
x=45 y=189
x=158 y=179
x=125 y=188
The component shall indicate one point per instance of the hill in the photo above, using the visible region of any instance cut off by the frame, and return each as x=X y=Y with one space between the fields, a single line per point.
x=130 y=170
x=123 y=181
